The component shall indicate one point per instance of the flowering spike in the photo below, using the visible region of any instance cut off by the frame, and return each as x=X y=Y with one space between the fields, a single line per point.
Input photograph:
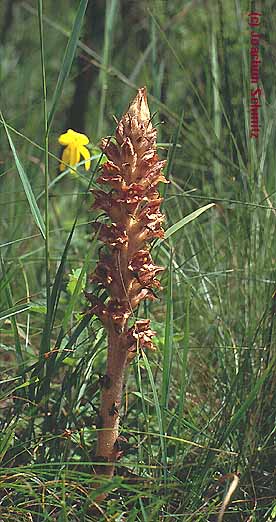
x=126 y=269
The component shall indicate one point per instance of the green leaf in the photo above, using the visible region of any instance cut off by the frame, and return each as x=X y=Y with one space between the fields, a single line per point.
x=25 y=384
x=26 y=184
x=73 y=279
x=68 y=58
x=38 y=308
x=187 y=219
x=140 y=396
x=14 y=310
x=70 y=361
x=79 y=285
x=97 y=153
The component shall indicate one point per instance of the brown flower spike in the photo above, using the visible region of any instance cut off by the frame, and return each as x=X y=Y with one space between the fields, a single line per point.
x=126 y=269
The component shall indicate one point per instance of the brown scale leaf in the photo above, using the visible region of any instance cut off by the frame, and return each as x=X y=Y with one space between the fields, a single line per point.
x=119 y=312
x=111 y=174
x=111 y=150
x=97 y=307
x=114 y=235
x=139 y=336
x=137 y=295
x=142 y=264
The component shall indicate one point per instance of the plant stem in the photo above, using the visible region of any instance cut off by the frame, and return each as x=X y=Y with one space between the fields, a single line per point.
x=111 y=399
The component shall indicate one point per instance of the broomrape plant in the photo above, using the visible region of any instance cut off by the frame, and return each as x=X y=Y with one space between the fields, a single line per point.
x=125 y=268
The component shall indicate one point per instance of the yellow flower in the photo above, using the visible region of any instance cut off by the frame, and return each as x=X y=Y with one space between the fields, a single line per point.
x=74 y=148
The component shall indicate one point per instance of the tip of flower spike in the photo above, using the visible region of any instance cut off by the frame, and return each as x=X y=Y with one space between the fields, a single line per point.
x=139 y=106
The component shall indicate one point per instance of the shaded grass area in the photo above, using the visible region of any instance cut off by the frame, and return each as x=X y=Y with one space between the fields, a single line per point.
x=200 y=411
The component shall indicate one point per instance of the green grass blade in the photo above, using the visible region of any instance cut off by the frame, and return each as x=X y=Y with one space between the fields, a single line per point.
x=6 y=441
x=76 y=293
x=43 y=388
x=4 y=281
x=26 y=184
x=76 y=333
x=68 y=58
x=55 y=295
x=183 y=374
x=46 y=155
x=252 y=396
x=187 y=219
x=9 y=298
x=158 y=413
x=110 y=15
x=168 y=344
x=14 y=311
x=173 y=148
x=216 y=98
x=184 y=363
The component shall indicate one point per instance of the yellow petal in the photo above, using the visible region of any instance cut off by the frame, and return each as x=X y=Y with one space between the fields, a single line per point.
x=82 y=139
x=86 y=155
x=74 y=155
x=68 y=137
x=65 y=159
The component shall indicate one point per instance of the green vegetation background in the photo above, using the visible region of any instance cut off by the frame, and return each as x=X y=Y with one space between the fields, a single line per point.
x=200 y=411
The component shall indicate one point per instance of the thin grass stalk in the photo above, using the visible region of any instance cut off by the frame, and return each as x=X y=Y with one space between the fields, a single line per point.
x=110 y=19
x=46 y=160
